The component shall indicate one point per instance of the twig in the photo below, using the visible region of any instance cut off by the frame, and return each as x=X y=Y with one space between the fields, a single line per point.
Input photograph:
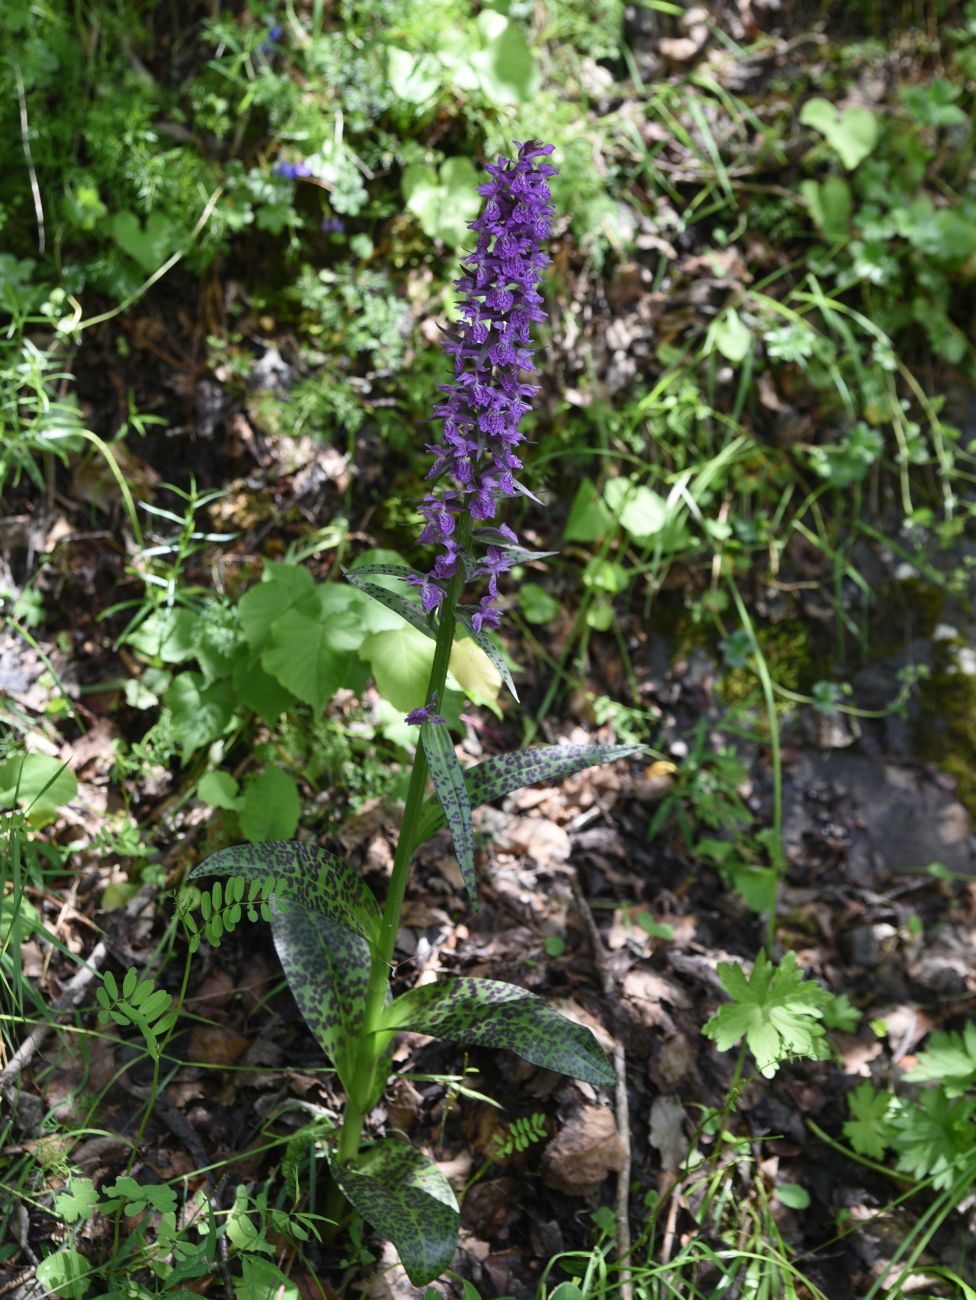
x=622 y=1106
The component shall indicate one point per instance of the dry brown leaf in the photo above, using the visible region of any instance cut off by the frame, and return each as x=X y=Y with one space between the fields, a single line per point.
x=584 y=1152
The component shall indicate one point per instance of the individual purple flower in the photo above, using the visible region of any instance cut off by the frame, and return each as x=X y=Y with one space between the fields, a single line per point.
x=491 y=345
x=293 y=171
x=416 y=717
x=333 y=225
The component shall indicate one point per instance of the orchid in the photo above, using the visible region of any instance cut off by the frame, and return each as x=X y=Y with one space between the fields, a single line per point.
x=336 y=946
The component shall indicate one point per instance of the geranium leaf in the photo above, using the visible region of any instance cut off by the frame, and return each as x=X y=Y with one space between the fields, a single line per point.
x=327 y=967
x=491 y=1013
x=309 y=875
x=504 y=773
x=407 y=1199
x=776 y=1010
x=452 y=793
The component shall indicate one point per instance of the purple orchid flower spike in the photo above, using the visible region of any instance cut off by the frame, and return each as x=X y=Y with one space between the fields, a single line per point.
x=476 y=460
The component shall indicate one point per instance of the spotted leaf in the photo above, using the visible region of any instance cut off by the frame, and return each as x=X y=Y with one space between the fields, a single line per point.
x=504 y=773
x=452 y=794
x=327 y=968
x=311 y=876
x=407 y=1199
x=408 y=610
x=491 y=1013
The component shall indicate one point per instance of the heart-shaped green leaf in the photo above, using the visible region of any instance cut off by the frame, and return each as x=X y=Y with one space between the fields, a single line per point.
x=149 y=245
x=851 y=134
x=407 y=1199
x=327 y=967
x=504 y=773
x=452 y=793
x=309 y=875
x=491 y=1013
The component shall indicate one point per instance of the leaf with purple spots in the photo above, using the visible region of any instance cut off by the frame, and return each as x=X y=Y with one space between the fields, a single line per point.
x=504 y=773
x=408 y=610
x=327 y=968
x=406 y=1198
x=491 y=1013
x=316 y=879
x=452 y=794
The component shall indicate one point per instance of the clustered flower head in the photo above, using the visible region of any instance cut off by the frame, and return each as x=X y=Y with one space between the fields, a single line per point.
x=476 y=459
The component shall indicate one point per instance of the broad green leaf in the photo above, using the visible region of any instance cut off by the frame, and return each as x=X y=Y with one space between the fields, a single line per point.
x=406 y=1198
x=499 y=776
x=149 y=245
x=327 y=967
x=271 y=807
x=491 y=1013
x=475 y=670
x=281 y=588
x=589 y=519
x=505 y=68
x=445 y=201
x=452 y=793
x=641 y=512
x=537 y=604
x=400 y=661
x=730 y=336
x=38 y=782
x=414 y=78
x=934 y=1137
x=311 y=644
x=409 y=610
x=309 y=875
x=78 y=1203
x=830 y=205
x=65 y=1274
x=219 y=790
x=260 y=691
x=199 y=713
x=484 y=642
x=166 y=635
x=851 y=134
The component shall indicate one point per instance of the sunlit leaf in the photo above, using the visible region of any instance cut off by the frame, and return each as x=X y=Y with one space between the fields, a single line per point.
x=491 y=1013
x=406 y=1198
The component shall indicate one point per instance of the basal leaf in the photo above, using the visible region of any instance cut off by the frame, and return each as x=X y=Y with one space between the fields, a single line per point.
x=400 y=662
x=404 y=1196
x=491 y=1013
x=309 y=875
x=311 y=644
x=327 y=967
x=504 y=773
x=448 y=778
x=271 y=806
x=282 y=587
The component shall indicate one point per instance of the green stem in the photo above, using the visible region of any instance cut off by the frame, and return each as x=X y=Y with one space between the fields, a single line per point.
x=368 y=1047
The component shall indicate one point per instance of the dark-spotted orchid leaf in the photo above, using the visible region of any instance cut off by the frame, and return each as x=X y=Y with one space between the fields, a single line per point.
x=452 y=797
x=318 y=880
x=492 y=1013
x=406 y=1198
x=409 y=610
x=327 y=968
x=504 y=773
